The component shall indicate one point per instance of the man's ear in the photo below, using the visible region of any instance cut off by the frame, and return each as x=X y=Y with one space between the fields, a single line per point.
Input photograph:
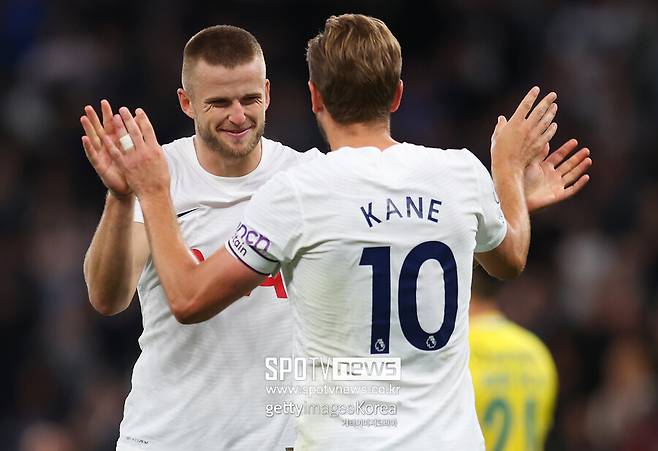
x=317 y=104
x=267 y=94
x=185 y=103
x=398 y=96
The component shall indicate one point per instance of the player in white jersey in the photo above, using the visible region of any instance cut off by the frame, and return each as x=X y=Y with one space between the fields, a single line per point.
x=376 y=242
x=198 y=387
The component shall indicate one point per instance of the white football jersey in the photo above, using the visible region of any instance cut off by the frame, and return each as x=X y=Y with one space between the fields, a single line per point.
x=201 y=387
x=377 y=249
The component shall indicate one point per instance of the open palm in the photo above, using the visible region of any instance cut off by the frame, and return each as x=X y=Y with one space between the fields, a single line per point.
x=97 y=153
x=555 y=178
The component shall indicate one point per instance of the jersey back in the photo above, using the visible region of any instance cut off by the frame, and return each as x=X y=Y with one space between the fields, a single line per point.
x=377 y=248
x=515 y=384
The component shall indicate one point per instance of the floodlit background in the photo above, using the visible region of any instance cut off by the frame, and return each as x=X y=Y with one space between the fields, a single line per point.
x=591 y=287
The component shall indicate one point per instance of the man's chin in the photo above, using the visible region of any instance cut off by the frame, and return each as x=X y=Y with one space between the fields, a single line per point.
x=232 y=148
x=235 y=150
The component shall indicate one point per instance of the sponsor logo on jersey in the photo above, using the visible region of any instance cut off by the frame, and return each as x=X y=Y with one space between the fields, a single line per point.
x=245 y=235
x=183 y=213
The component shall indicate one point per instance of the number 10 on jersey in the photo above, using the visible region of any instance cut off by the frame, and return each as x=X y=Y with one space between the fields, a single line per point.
x=380 y=260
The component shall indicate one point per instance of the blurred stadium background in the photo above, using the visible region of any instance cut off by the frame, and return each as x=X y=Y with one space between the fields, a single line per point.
x=591 y=287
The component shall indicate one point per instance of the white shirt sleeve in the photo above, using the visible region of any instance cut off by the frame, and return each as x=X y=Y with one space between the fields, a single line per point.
x=492 y=225
x=271 y=227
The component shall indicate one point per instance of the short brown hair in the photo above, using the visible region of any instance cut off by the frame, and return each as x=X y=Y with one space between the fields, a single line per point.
x=355 y=63
x=222 y=45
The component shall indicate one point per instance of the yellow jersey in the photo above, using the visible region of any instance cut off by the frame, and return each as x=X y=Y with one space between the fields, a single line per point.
x=515 y=384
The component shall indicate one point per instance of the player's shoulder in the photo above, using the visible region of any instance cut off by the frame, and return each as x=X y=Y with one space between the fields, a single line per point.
x=495 y=333
x=179 y=145
x=279 y=154
x=460 y=160
x=179 y=151
x=528 y=338
x=523 y=339
x=433 y=152
x=494 y=328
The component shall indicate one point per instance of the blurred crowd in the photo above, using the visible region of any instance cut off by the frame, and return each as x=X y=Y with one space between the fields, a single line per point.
x=591 y=287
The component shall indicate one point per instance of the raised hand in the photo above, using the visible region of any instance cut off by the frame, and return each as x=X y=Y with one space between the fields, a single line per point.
x=555 y=178
x=526 y=135
x=143 y=165
x=97 y=151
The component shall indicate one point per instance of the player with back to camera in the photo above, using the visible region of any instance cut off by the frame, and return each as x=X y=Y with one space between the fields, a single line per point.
x=147 y=173
x=197 y=387
x=513 y=373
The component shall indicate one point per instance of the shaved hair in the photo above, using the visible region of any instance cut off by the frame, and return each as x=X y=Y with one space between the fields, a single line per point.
x=219 y=45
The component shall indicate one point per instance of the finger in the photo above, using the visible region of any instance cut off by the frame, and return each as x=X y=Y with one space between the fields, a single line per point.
x=577 y=172
x=549 y=133
x=108 y=123
x=119 y=126
x=90 y=132
x=145 y=126
x=93 y=118
x=546 y=119
x=573 y=161
x=131 y=126
x=116 y=155
x=573 y=189
x=526 y=105
x=542 y=108
x=90 y=152
x=560 y=154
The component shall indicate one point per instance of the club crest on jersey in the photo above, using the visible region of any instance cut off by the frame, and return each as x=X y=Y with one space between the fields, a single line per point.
x=247 y=236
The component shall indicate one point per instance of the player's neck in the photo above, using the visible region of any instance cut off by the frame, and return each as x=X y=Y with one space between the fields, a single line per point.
x=217 y=164
x=359 y=135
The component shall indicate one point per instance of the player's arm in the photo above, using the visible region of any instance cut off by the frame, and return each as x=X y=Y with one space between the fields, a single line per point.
x=115 y=258
x=119 y=249
x=515 y=144
x=195 y=291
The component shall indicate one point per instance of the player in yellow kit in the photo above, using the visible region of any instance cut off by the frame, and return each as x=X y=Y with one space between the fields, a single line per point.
x=513 y=374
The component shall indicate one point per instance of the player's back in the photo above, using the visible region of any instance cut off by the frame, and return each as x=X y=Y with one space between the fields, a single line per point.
x=378 y=259
x=515 y=384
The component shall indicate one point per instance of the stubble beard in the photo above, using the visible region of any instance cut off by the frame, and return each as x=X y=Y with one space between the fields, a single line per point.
x=214 y=143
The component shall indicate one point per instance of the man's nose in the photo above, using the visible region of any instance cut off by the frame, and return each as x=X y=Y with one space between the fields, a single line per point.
x=236 y=114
